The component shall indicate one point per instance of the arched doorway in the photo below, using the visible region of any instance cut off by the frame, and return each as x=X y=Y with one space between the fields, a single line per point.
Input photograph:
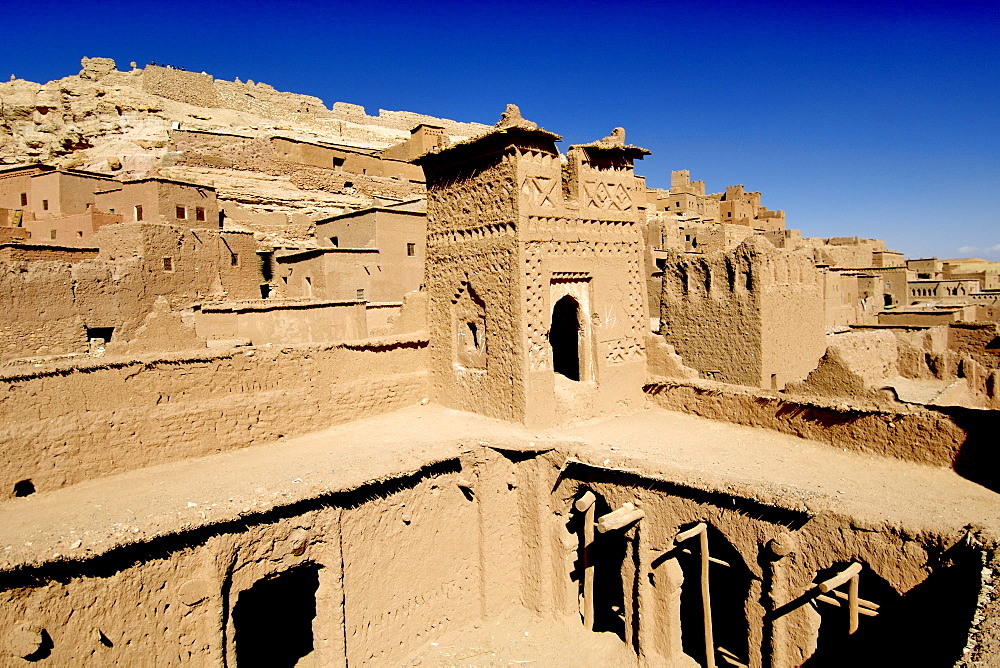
x=564 y=337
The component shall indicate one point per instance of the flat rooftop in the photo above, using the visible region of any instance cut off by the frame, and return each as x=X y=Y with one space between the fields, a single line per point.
x=94 y=517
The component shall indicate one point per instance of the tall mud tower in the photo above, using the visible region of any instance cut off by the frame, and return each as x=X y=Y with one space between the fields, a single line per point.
x=537 y=305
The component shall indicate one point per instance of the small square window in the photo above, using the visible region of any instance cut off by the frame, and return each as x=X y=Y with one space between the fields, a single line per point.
x=411 y=249
x=168 y=264
x=24 y=199
x=361 y=293
x=181 y=213
x=45 y=205
x=199 y=213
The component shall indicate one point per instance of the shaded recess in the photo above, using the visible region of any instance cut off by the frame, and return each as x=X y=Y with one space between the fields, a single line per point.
x=565 y=338
x=926 y=626
x=729 y=587
x=273 y=619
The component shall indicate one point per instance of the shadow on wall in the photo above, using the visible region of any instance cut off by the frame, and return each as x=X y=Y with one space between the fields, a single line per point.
x=927 y=626
x=978 y=457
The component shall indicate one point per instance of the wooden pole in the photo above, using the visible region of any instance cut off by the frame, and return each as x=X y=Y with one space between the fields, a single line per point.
x=588 y=568
x=840 y=578
x=852 y=604
x=706 y=601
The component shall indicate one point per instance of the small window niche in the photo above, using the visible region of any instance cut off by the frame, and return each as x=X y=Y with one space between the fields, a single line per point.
x=199 y=213
x=181 y=213
x=24 y=488
x=52 y=234
x=234 y=259
x=138 y=212
x=470 y=329
x=45 y=205
x=411 y=249
x=335 y=242
x=361 y=294
x=24 y=199
x=168 y=264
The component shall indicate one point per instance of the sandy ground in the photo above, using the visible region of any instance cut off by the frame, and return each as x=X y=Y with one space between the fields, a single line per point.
x=93 y=517
x=520 y=640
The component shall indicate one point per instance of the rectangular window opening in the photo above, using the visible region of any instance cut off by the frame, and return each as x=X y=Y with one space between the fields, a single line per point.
x=138 y=212
x=52 y=234
x=199 y=213
x=45 y=205
x=168 y=264
x=234 y=259
x=411 y=249
x=181 y=213
x=361 y=293
x=24 y=199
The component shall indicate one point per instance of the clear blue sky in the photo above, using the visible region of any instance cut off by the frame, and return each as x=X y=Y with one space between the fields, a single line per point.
x=857 y=118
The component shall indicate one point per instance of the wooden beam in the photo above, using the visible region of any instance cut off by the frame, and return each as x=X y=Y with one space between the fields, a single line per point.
x=586 y=500
x=852 y=604
x=706 y=601
x=862 y=602
x=840 y=578
x=690 y=533
x=620 y=518
x=588 y=566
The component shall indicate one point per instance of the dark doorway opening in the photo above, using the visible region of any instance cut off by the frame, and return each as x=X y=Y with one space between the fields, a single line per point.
x=100 y=333
x=564 y=338
x=729 y=588
x=273 y=619
x=887 y=300
x=607 y=554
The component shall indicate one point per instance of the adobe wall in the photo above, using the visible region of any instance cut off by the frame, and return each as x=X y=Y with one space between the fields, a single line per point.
x=979 y=340
x=793 y=322
x=939 y=436
x=40 y=317
x=471 y=245
x=102 y=416
x=710 y=312
x=459 y=542
x=384 y=584
x=181 y=86
x=71 y=229
x=265 y=322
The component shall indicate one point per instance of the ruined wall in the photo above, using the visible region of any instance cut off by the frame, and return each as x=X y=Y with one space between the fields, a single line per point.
x=939 y=436
x=793 y=331
x=180 y=86
x=710 y=312
x=105 y=415
x=753 y=316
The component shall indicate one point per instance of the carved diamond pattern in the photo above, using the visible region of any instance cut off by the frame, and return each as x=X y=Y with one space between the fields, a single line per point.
x=537 y=190
x=621 y=200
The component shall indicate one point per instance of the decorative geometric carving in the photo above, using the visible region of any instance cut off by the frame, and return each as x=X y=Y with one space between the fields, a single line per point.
x=538 y=191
